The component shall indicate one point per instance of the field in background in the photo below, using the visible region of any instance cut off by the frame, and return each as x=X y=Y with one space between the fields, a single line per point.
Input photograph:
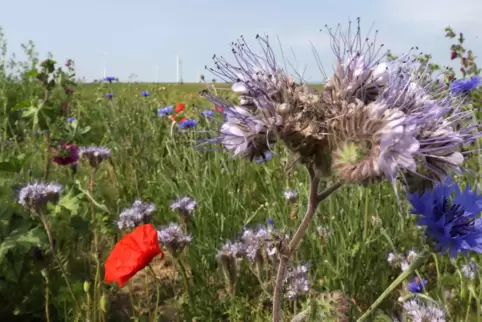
x=346 y=247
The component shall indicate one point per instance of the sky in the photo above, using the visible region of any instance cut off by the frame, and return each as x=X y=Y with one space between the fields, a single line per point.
x=140 y=35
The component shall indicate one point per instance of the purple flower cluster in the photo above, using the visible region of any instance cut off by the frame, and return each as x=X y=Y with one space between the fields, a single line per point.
x=140 y=212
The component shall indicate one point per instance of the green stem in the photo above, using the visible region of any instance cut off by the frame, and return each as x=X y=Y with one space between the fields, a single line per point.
x=158 y=292
x=411 y=269
x=47 y=302
x=182 y=269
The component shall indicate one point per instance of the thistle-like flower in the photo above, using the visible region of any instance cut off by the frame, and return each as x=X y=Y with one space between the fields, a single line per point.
x=163 y=111
x=454 y=223
x=423 y=312
x=94 y=154
x=139 y=213
x=173 y=238
x=375 y=119
x=35 y=196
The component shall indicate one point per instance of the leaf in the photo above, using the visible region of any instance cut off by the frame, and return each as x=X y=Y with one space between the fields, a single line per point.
x=32 y=73
x=21 y=105
x=22 y=238
x=69 y=202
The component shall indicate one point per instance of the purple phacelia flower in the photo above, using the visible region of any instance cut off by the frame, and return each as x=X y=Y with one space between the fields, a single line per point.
x=35 y=196
x=173 y=237
x=184 y=206
x=231 y=250
x=290 y=195
x=420 y=312
x=140 y=212
x=454 y=223
x=469 y=270
x=297 y=281
x=417 y=285
x=94 y=154
x=463 y=86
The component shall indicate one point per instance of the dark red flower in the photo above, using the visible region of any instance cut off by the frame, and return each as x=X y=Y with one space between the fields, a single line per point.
x=68 y=90
x=131 y=254
x=453 y=55
x=65 y=106
x=180 y=107
x=67 y=154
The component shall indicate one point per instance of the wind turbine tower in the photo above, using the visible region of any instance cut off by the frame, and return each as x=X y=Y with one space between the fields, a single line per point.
x=179 y=69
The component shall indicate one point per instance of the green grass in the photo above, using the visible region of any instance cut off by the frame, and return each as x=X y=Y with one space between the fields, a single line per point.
x=149 y=163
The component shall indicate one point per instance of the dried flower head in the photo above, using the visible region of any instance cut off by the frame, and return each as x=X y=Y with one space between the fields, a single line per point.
x=139 y=213
x=35 y=196
x=375 y=119
x=94 y=154
x=173 y=238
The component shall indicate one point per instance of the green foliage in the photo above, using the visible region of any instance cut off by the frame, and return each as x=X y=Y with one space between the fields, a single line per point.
x=155 y=162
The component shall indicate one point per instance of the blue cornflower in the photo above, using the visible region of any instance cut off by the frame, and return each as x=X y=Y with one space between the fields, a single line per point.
x=110 y=79
x=452 y=224
x=71 y=119
x=417 y=285
x=145 y=93
x=270 y=221
x=207 y=114
x=187 y=124
x=109 y=95
x=266 y=157
x=163 y=111
x=465 y=85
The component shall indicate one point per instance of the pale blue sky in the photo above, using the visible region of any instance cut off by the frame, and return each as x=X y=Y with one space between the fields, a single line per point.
x=138 y=35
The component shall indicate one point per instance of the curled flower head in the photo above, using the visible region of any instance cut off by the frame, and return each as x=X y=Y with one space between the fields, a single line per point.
x=463 y=86
x=184 y=206
x=163 y=111
x=418 y=311
x=173 y=237
x=94 y=154
x=469 y=270
x=187 y=124
x=67 y=154
x=375 y=118
x=36 y=195
x=297 y=281
x=139 y=213
x=454 y=223
x=417 y=285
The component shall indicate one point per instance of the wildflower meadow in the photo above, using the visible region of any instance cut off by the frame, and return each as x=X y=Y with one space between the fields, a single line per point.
x=255 y=198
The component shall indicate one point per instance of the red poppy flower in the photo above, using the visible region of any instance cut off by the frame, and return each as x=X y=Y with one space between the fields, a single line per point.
x=68 y=154
x=173 y=117
x=131 y=254
x=180 y=107
x=219 y=109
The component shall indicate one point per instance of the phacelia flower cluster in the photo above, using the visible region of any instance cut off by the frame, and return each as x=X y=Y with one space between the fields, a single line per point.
x=35 y=196
x=297 y=281
x=94 y=154
x=374 y=119
x=418 y=311
x=184 y=206
x=173 y=238
x=139 y=213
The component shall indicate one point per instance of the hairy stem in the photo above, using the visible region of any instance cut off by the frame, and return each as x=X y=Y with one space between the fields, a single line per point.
x=46 y=225
x=97 y=287
x=158 y=291
x=285 y=254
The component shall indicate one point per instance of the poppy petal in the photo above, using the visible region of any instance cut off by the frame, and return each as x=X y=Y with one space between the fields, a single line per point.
x=131 y=254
